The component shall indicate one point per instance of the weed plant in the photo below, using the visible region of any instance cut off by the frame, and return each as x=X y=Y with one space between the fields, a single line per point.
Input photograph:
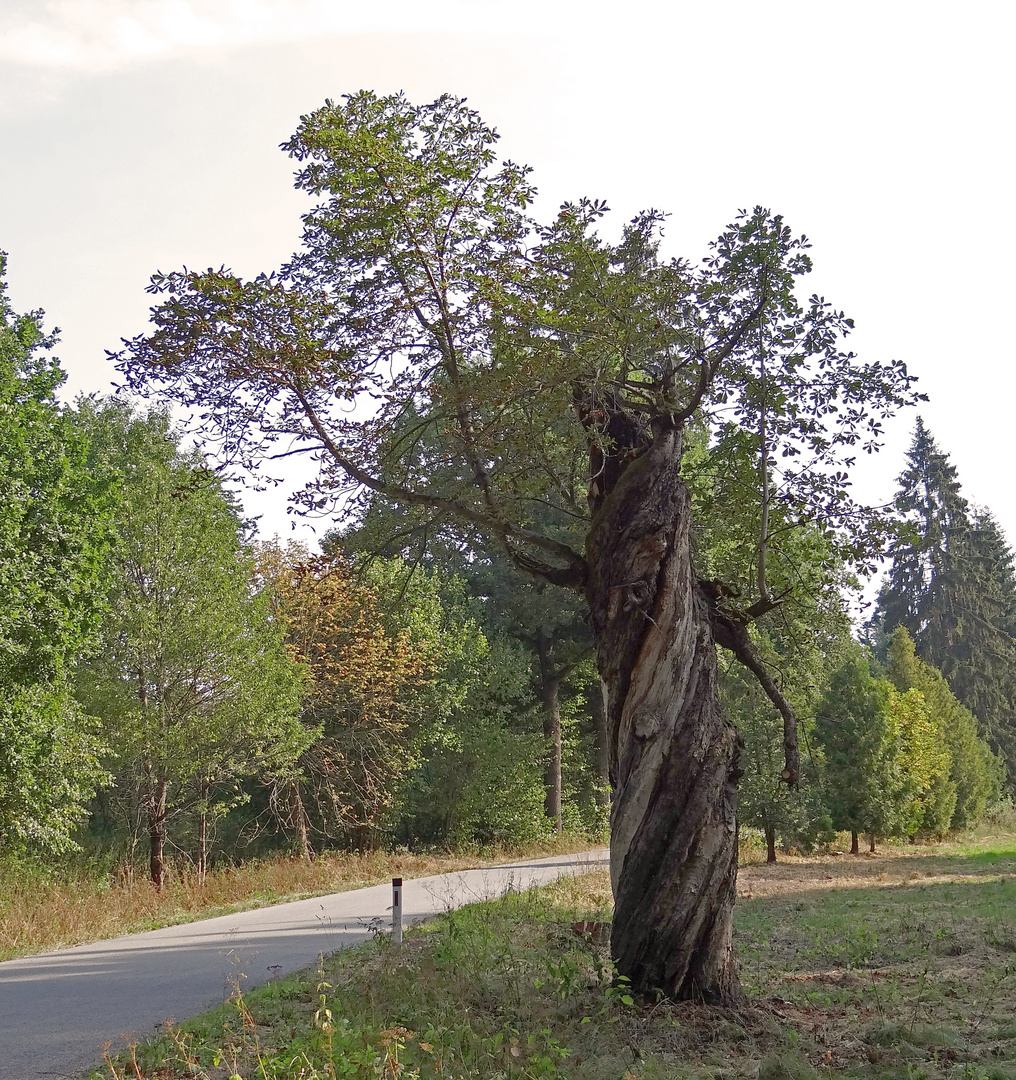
x=895 y=967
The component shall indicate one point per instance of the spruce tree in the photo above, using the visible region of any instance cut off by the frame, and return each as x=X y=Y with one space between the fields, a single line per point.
x=981 y=665
x=952 y=587
x=922 y=585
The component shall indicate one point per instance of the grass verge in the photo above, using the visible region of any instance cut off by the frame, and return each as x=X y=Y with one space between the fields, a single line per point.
x=898 y=967
x=43 y=907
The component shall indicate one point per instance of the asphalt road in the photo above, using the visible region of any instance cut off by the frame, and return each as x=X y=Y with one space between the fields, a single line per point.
x=57 y=1008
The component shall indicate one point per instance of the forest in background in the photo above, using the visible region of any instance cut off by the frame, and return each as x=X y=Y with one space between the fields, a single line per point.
x=569 y=480
x=175 y=690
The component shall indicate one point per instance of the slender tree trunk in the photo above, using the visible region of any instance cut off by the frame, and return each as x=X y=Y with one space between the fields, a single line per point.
x=674 y=756
x=550 y=687
x=202 y=847
x=871 y=842
x=156 y=812
x=598 y=705
x=202 y=832
x=552 y=732
x=854 y=849
x=770 y=844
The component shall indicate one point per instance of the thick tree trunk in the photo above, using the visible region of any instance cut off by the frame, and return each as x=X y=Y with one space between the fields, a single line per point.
x=674 y=756
x=854 y=849
x=550 y=686
x=156 y=814
x=770 y=844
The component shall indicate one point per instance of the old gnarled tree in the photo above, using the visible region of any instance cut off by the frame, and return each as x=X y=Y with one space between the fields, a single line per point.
x=530 y=386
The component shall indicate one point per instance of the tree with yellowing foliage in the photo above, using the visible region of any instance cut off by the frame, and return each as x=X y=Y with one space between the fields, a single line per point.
x=362 y=697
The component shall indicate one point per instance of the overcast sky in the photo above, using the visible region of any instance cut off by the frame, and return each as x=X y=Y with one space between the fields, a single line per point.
x=143 y=134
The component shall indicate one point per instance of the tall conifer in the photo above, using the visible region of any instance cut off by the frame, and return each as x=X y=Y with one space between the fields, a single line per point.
x=953 y=587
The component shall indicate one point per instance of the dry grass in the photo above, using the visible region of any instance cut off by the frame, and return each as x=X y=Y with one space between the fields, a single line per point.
x=966 y=858
x=898 y=964
x=40 y=910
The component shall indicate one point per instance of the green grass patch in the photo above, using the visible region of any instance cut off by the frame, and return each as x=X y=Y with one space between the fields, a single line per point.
x=909 y=975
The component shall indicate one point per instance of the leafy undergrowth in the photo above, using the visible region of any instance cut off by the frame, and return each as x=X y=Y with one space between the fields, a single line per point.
x=900 y=966
x=45 y=908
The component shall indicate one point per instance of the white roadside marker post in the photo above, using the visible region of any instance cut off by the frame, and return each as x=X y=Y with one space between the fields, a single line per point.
x=396 y=911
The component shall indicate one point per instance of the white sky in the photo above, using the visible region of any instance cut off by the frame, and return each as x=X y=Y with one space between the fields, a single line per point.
x=142 y=135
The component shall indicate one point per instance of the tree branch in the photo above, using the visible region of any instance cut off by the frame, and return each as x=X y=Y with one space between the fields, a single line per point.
x=573 y=574
x=708 y=366
x=731 y=631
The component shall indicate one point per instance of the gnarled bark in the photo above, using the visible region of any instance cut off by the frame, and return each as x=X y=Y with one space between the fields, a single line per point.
x=674 y=756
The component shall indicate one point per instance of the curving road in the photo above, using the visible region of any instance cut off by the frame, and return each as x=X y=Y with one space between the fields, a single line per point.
x=57 y=1008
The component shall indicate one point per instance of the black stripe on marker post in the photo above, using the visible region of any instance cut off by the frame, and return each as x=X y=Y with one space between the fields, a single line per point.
x=396 y=911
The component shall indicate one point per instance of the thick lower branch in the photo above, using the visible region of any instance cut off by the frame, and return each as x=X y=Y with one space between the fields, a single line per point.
x=573 y=574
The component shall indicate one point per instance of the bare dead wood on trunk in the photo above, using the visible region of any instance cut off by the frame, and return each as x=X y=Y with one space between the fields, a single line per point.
x=674 y=756
x=295 y=820
x=203 y=835
x=202 y=847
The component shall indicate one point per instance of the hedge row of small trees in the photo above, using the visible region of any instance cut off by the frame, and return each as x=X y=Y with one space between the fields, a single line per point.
x=891 y=752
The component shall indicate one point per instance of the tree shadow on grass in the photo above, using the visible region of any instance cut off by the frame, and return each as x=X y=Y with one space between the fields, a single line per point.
x=886 y=868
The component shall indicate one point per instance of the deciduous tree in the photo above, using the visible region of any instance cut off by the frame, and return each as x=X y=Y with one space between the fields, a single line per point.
x=542 y=366
x=54 y=539
x=549 y=620
x=359 y=702
x=190 y=678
